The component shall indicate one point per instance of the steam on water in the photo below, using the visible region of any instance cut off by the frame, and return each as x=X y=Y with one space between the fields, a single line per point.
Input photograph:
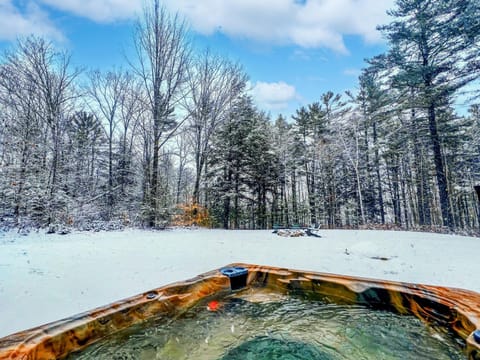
x=249 y=326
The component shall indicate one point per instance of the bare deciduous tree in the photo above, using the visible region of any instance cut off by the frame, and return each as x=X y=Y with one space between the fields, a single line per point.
x=19 y=133
x=131 y=112
x=214 y=84
x=163 y=56
x=45 y=75
x=106 y=92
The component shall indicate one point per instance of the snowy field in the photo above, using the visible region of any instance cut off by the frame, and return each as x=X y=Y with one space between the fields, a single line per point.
x=44 y=278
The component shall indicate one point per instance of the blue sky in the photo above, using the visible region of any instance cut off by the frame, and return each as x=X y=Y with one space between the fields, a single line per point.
x=292 y=50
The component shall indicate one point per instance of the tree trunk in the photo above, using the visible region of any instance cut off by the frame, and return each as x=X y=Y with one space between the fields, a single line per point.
x=226 y=212
x=404 y=194
x=226 y=201
x=21 y=181
x=54 y=166
x=110 y=169
x=274 y=208
x=447 y=218
x=236 y=202
x=152 y=221
x=196 y=187
x=282 y=203
x=294 y=196
x=381 y=206
x=311 y=194
x=393 y=177
x=360 y=197
x=179 y=182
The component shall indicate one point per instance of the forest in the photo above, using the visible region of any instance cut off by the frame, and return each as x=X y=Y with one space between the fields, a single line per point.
x=177 y=133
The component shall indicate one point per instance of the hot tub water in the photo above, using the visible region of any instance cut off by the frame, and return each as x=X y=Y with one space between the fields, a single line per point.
x=252 y=325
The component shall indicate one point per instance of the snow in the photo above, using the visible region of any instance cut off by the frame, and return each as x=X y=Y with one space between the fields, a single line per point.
x=44 y=278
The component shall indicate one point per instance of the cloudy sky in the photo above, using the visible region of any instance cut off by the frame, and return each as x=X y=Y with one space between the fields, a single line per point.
x=293 y=50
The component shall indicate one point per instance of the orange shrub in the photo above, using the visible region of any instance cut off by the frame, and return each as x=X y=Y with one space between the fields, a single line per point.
x=192 y=215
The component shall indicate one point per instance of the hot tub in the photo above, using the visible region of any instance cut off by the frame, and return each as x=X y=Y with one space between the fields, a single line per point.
x=455 y=310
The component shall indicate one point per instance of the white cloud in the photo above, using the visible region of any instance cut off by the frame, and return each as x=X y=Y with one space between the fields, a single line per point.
x=32 y=17
x=273 y=96
x=309 y=24
x=98 y=10
x=30 y=20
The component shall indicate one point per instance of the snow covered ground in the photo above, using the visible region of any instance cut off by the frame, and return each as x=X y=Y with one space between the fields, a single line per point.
x=44 y=278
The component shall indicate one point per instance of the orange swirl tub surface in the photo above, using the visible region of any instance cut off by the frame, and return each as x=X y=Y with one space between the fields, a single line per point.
x=456 y=309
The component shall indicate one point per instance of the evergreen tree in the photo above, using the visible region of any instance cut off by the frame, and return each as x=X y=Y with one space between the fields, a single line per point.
x=433 y=47
x=227 y=165
x=283 y=145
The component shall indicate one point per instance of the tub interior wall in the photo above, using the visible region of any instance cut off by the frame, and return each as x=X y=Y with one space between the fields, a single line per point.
x=458 y=310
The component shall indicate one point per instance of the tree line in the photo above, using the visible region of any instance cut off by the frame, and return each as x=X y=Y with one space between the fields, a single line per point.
x=178 y=126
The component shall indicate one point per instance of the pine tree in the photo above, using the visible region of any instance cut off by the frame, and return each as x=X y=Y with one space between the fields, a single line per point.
x=226 y=165
x=373 y=102
x=283 y=144
x=433 y=47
